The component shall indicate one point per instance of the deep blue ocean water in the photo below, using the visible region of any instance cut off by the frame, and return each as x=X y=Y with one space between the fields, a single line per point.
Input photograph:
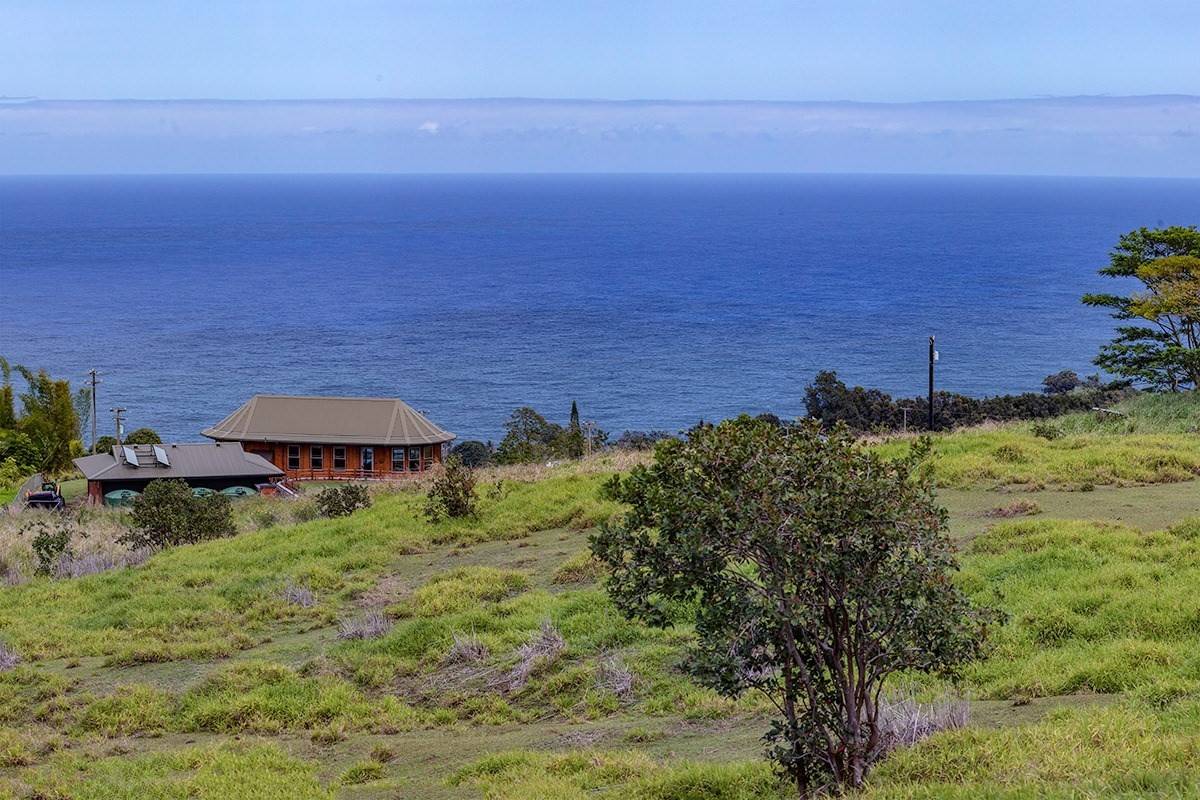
x=654 y=301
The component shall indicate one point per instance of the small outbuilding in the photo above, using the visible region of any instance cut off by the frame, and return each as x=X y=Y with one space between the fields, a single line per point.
x=215 y=466
x=332 y=438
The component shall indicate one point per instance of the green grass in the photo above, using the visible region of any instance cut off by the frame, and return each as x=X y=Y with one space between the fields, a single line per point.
x=122 y=670
x=261 y=772
x=1144 y=414
x=1013 y=455
x=1107 y=753
x=499 y=611
x=1092 y=607
x=524 y=775
x=1125 y=751
x=1149 y=444
x=213 y=599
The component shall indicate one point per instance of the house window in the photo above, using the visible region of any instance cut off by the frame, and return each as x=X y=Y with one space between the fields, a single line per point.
x=428 y=456
x=316 y=458
x=368 y=459
x=339 y=458
x=293 y=456
x=414 y=459
x=397 y=459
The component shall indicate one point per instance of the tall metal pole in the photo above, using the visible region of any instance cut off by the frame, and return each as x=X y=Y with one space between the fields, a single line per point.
x=932 y=358
x=93 y=373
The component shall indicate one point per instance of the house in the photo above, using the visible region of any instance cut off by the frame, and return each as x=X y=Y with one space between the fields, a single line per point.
x=331 y=438
x=207 y=465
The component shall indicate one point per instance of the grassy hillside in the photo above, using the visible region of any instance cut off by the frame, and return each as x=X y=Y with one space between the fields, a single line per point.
x=496 y=665
x=1152 y=439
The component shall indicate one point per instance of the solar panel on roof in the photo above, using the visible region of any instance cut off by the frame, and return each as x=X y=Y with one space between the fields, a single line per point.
x=130 y=455
x=160 y=456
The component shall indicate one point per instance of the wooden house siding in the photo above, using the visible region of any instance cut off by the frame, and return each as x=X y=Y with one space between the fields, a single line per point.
x=277 y=454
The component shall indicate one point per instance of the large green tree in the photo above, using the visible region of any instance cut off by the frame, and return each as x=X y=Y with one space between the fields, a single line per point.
x=529 y=437
x=49 y=420
x=1158 y=342
x=143 y=436
x=8 y=414
x=812 y=568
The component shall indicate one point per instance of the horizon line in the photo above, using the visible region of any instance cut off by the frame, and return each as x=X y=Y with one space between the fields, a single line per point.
x=569 y=174
x=14 y=100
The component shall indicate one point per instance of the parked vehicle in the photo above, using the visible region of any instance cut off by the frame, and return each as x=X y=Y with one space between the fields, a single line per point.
x=49 y=496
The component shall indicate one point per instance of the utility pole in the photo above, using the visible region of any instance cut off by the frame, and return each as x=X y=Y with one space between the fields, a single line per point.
x=95 y=380
x=933 y=356
x=117 y=412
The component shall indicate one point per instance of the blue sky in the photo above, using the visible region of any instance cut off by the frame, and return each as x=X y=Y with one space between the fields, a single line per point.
x=693 y=50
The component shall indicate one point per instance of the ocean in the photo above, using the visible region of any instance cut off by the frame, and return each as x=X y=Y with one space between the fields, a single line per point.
x=654 y=301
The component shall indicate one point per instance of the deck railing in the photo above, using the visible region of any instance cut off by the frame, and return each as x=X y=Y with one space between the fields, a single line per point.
x=353 y=474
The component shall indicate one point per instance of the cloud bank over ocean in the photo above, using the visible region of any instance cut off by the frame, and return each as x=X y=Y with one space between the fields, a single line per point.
x=1146 y=136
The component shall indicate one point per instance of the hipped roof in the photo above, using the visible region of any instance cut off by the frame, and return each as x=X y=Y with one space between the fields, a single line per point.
x=327 y=420
x=187 y=461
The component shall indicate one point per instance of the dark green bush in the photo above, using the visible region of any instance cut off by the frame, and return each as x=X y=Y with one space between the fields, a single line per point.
x=51 y=539
x=168 y=514
x=829 y=401
x=342 y=501
x=1047 y=430
x=143 y=436
x=473 y=453
x=452 y=493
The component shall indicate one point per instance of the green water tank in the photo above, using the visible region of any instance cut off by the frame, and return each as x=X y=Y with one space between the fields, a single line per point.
x=121 y=497
x=200 y=491
x=239 y=491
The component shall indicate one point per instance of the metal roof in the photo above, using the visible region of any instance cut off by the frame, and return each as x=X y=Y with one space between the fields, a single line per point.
x=327 y=420
x=202 y=460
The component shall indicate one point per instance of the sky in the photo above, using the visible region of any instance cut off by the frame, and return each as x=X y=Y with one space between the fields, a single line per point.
x=611 y=49
x=1084 y=88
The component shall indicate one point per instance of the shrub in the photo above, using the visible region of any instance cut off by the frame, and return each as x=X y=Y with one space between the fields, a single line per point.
x=473 y=453
x=529 y=437
x=1061 y=382
x=51 y=539
x=1047 y=430
x=453 y=492
x=11 y=473
x=305 y=511
x=829 y=401
x=142 y=436
x=168 y=514
x=342 y=501
x=640 y=440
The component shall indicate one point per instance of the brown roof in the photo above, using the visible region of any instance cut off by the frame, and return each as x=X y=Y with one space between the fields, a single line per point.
x=327 y=420
x=203 y=460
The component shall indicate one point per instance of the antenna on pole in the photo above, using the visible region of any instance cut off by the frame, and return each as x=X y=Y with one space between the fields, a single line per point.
x=95 y=381
x=117 y=412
